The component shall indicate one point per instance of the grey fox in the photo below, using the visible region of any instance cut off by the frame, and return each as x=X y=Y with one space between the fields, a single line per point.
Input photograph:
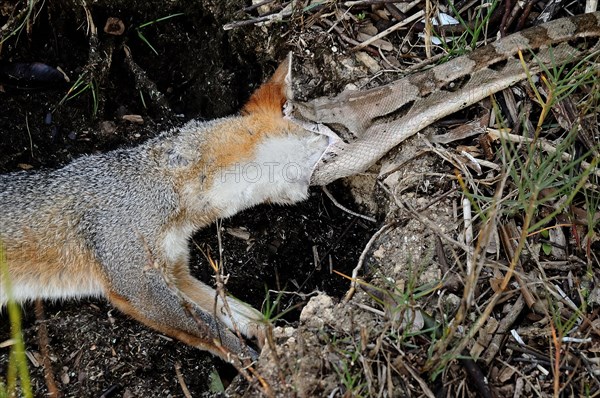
x=118 y=224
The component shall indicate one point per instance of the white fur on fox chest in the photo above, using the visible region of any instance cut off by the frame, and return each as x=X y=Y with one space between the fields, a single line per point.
x=175 y=243
x=278 y=173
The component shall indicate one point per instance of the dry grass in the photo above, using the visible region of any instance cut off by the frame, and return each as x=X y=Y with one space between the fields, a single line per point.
x=498 y=294
x=521 y=260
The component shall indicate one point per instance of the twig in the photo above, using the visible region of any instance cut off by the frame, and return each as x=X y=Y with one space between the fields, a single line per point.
x=525 y=16
x=389 y=30
x=110 y=391
x=29 y=134
x=451 y=280
x=246 y=22
x=468 y=224
x=345 y=38
x=303 y=296
x=247 y=373
x=24 y=13
x=471 y=282
x=428 y=29
x=43 y=343
x=221 y=281
x=415 y=375
x=505 y=15
x=361 y=259
x=505 y=324
x=396 y=13
x=184 y=388
x=262 y=20
x=545 y=145
x=508 y=233
x=368 y=2
x=97 y=68
x=257 y=5
x=426 y=62
x=143 y=82
x=436 y=200
x=551 y=8
x=341 y=207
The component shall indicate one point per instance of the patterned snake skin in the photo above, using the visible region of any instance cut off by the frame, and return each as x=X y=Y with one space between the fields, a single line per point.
x=378 y=119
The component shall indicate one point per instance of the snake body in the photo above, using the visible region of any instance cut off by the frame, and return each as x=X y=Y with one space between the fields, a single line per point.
x=377 y=120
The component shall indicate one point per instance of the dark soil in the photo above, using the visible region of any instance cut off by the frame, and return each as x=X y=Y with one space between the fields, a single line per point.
x=203 y=72
x=360 y=348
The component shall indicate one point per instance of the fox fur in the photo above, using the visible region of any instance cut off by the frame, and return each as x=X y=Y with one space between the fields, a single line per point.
x=118 y=224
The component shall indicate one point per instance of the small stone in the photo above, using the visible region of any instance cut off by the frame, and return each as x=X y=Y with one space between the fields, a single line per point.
x=133 y=118
x=368 y=61
x=379 y=253
x=64 y=377
x=108 y=127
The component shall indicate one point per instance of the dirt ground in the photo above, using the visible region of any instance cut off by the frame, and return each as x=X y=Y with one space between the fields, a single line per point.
x=203 y=73
x=322 y=345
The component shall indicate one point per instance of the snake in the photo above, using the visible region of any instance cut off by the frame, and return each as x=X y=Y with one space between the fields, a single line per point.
x=363 y=125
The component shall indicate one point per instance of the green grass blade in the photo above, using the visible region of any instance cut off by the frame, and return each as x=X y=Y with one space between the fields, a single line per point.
x=17 y=359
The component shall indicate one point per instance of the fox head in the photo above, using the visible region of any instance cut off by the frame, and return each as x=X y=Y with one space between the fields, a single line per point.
x=262 y=156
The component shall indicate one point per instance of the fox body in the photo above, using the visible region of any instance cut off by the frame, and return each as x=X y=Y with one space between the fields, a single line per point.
x=118 y=224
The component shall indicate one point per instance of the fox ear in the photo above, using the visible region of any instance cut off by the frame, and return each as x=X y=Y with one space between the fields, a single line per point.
x=272 y=95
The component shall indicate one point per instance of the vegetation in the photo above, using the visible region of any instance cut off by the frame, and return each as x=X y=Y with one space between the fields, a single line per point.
x=17 y=378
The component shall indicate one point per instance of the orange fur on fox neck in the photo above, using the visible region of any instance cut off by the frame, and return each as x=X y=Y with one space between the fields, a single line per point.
x=271 y=96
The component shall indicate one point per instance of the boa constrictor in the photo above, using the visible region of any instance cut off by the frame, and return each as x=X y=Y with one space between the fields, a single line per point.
x=378 y=119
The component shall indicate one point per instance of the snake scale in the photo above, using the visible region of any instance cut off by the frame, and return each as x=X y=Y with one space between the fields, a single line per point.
x=378 y=119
